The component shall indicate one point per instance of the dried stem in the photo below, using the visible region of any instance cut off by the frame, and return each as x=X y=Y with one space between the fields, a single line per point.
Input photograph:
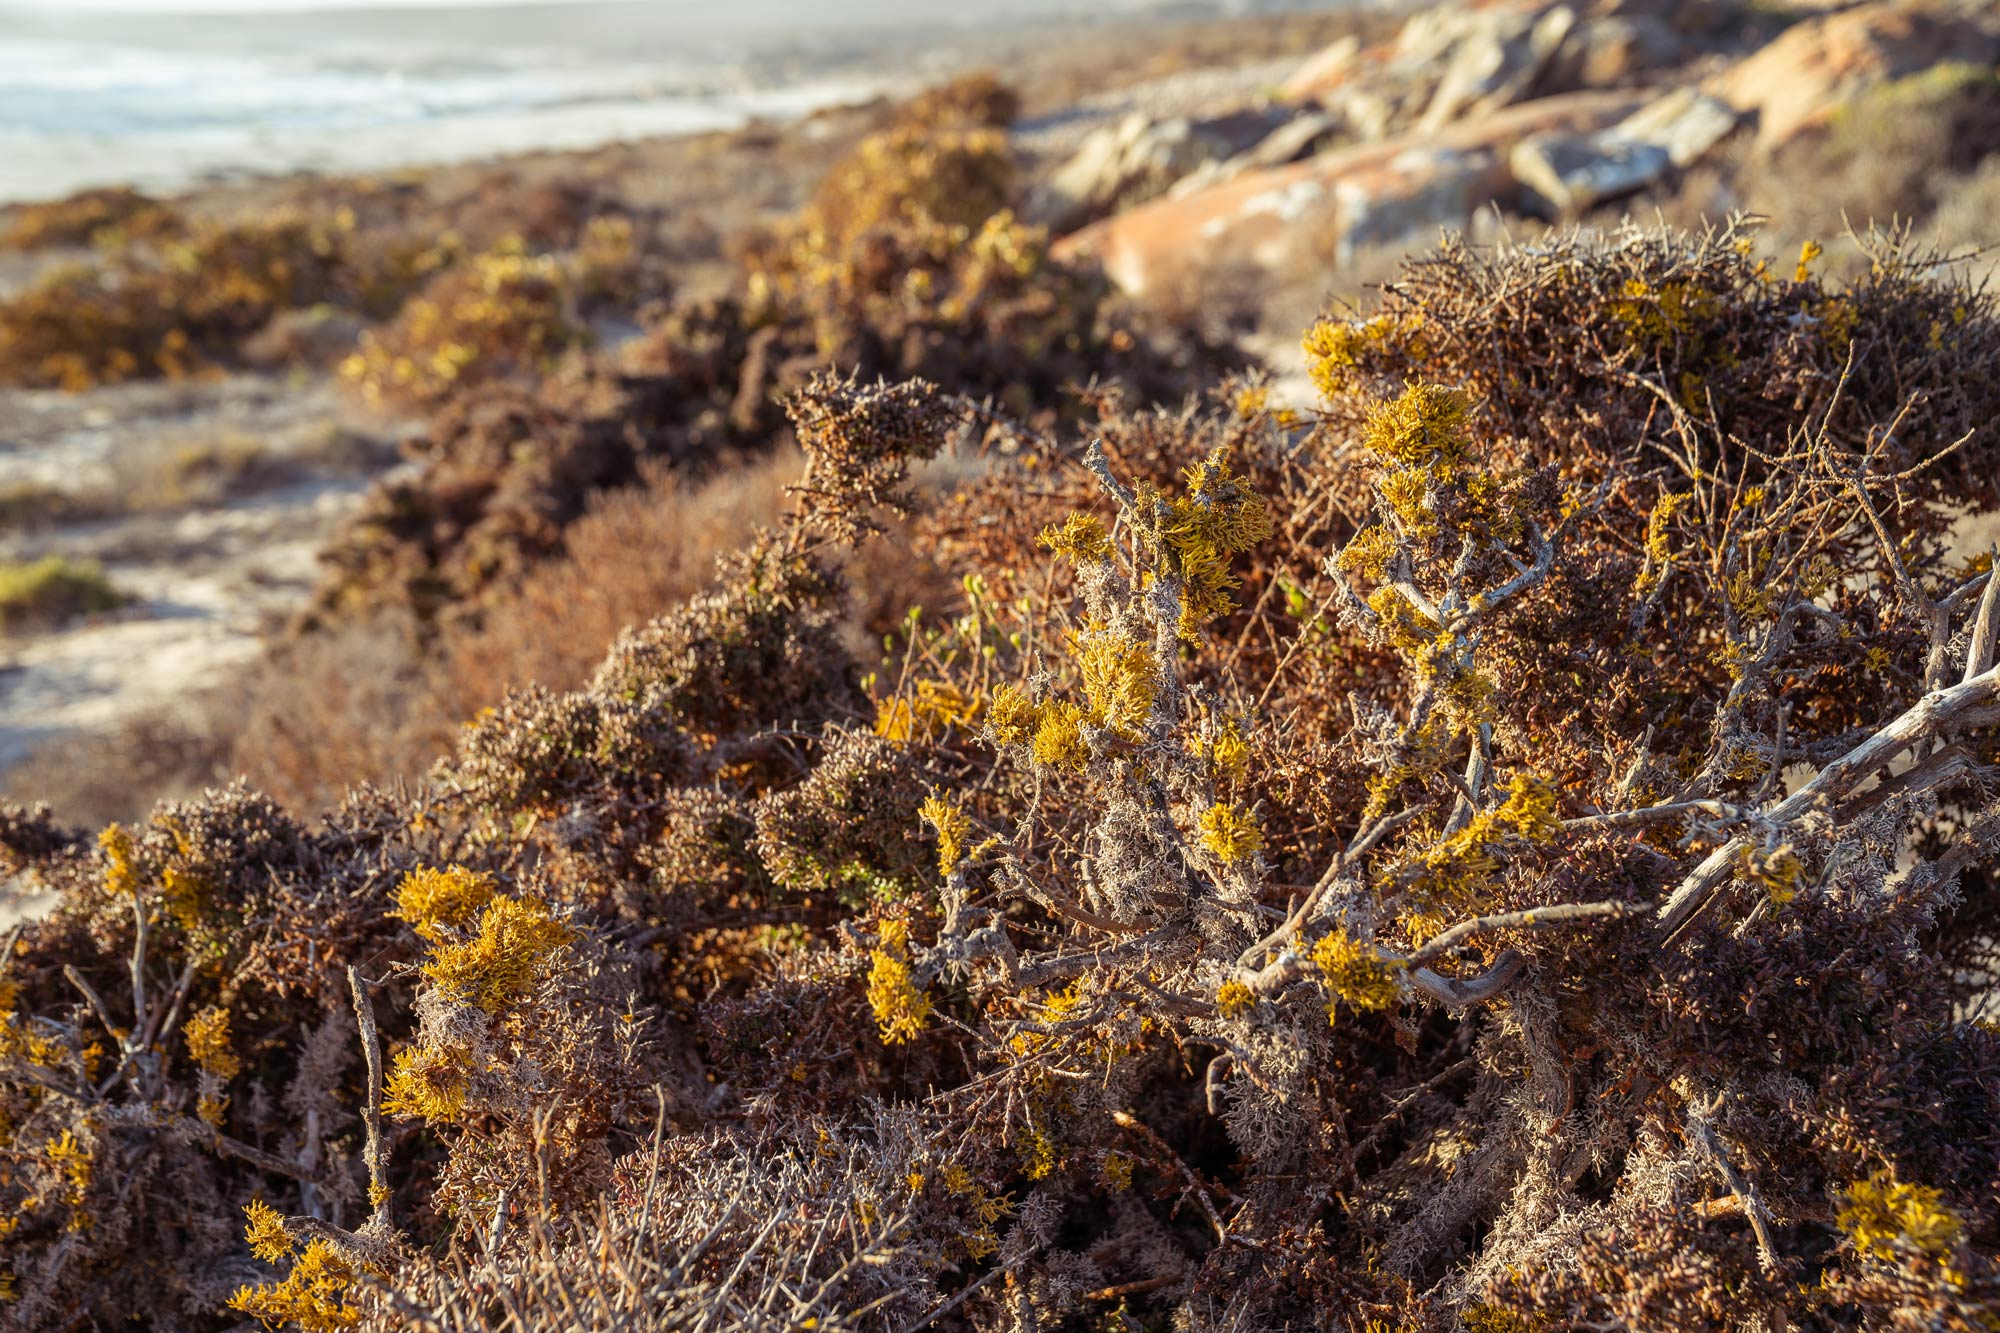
x=371 y=1111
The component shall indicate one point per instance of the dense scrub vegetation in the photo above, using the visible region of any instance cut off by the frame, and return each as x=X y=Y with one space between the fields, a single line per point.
x=168 y=295
x=1508 y=849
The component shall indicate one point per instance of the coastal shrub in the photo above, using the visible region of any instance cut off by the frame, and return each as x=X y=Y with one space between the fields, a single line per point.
x=905 y=263
x=978 y=100
x=45 y=593
x=30 y=504
x=1507 y=846
x=109 y=218
x=504 y=312
x=909 y=260
x=191 y=298
x=171 y=312
x=506 y=467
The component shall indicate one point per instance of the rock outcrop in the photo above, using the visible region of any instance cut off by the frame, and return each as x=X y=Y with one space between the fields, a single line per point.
x=1356 y=196
x=1572 y=172
x=1139 y=158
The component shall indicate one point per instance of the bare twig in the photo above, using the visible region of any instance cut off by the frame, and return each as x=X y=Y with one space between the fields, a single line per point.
x=1985 y=643
x=1928 y=717
x=1139 y=1288
x=1702 y=1131
x=1364 y=839
x=1100 y=466
x=371 y=1110
x=1456 y=993
x=1559 y=914
x=202 y=1132
x=1646 y=816
x=97 y=1007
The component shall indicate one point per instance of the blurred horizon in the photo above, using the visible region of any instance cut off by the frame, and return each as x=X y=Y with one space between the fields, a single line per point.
x=282 y=6
x=177 y=94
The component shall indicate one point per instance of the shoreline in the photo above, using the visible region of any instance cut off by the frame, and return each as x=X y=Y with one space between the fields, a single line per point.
x=47 y=168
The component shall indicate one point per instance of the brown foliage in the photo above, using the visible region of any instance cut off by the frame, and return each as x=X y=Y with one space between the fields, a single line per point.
x=1331 y=871
x=106 y=217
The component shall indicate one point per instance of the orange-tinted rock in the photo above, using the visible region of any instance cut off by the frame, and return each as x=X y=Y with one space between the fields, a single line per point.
x=1329 y=68
x=1366 y=194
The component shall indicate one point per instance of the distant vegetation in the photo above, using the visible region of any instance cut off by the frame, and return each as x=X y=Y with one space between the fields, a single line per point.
x=51 y=591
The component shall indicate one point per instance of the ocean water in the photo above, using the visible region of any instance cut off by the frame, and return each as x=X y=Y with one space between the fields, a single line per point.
x=165 y=94
x=167 y=100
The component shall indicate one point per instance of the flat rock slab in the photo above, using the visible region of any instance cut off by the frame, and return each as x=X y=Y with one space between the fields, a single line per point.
x=1573 y=172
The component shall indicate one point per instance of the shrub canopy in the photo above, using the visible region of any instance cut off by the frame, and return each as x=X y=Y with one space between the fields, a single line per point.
x=1510 y=848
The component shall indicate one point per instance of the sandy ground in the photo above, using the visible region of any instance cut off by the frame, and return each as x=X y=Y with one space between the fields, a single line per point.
x=205 y=583
x=187 y=628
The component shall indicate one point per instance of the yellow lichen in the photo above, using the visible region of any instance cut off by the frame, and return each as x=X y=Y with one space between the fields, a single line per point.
x=1199 y=532
x=207 y=1037
x=1657 y=555
x=1230 y=752
x=1081 y=537
x=952 y=826
x=1369 y=553
x=1887 y=1218
x=1809 y=252
x=1423 y=428
x=186 y=895
x=1229 y=834
x=72 y=1162
x=1778 y=871
x=1406 y=627
x=1010 y=716
x=1059 y=741
x=1233 y=999
x=429 y=1084
x=1339 y=352
x=900 y=1008
x=1118 y=680
x=500 y=964
x=313 y=1296
x=1039 y=1153
x=265 y=1231
x=1654 y=316
x=1453 y=876
x=1356 y=973
x=433 y=900
x=929 y=711
x=121 y=876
